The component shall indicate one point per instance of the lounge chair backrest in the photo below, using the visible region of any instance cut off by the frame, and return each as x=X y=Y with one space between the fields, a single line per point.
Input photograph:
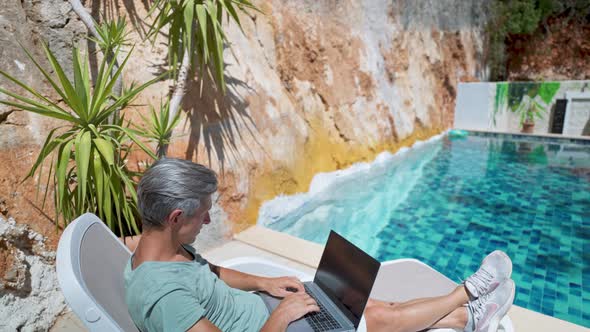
x=90 y=263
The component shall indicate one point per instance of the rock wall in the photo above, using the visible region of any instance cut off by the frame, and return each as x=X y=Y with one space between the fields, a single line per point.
x=313 y=86
x=556 y=51
x=30 y=299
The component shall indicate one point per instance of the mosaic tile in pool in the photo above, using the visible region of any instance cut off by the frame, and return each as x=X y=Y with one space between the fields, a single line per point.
x=528 y=197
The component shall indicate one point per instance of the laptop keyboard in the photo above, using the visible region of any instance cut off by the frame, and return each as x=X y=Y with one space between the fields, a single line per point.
x=322 y=320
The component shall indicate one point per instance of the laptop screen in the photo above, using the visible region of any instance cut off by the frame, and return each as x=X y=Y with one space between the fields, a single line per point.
x=346 y=274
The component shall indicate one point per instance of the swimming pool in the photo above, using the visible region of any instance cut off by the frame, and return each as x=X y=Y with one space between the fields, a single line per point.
x=448 y=202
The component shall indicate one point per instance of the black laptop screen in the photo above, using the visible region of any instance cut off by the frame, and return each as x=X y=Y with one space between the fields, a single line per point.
x=346 y=274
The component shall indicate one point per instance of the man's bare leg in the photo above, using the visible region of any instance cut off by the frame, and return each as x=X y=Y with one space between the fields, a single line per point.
x=419 y=314
x=456 y=319
x=373 y=302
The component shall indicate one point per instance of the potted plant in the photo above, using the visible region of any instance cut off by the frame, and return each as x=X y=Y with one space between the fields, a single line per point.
x=529 y=110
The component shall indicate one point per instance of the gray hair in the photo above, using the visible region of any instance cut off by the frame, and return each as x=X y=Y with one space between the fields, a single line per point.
x=171 y=184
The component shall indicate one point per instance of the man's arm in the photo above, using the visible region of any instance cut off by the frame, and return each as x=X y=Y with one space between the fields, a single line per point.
x=247 y=282
x=290 y=309
x=240 y=280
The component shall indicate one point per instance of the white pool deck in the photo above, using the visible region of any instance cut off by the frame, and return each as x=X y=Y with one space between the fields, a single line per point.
x=304 y=256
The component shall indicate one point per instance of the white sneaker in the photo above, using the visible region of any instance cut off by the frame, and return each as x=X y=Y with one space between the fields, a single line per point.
x=485 y=313
x=494 y=269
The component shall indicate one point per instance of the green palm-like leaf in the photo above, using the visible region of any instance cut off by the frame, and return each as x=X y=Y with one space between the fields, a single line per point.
x=105 y=148
x=134 y=138
x=111 y=34
x=195 y=26
x=83 y=150
x=48 y=77
x=81 y=79
x=32 y=91
x=104 y=86
x=48 y=147
x=98 y=174
x=32 y=106
x=159 y=126
x=68 y=89
x=62 y=180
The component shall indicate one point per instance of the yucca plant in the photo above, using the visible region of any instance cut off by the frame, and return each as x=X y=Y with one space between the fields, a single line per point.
x=194 y=30
x=87 y=155
x=159 y=126
x=111 y=34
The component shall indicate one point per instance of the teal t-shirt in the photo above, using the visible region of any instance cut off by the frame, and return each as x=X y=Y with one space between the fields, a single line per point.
x=173 y=296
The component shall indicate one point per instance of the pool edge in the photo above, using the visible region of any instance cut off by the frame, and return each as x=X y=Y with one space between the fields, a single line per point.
x=584 y=139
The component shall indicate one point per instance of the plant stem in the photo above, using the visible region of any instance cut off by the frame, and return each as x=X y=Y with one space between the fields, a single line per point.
x=177 y=96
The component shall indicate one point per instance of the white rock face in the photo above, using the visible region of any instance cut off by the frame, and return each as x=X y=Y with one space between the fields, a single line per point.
x=30 y=298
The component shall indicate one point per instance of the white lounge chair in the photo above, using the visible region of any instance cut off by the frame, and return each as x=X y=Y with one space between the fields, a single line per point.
x=90 y=262
x=91 y=259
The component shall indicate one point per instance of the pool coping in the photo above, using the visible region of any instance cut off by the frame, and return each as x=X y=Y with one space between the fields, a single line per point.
x=309 y=254
x=584 y=139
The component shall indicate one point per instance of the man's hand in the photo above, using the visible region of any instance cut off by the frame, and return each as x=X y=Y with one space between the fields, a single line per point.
x=282 y=287
x=291 y=308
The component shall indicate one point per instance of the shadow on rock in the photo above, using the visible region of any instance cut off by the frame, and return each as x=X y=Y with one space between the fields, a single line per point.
x=217 y=119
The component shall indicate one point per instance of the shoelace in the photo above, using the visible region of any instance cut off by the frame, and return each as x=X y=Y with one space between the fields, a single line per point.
x=480 y=280
x=477 y=308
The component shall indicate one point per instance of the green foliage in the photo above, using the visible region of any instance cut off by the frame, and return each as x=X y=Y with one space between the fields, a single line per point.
x=516 y=91
x=547 y=91
x=500 y=99
x=195 y=26
x=87 y=155
x=159 y=125
x=112 y=34
x=513 y=96
x=529 y=109
x=523 y=17
x=538 y=156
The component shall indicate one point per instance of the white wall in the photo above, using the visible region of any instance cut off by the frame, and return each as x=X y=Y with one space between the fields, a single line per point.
x=577 y=115
x=473 y=106
x=476 y=104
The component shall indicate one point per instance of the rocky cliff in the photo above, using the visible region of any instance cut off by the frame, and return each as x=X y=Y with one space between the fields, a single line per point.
x=314 y=86
x=558 y=50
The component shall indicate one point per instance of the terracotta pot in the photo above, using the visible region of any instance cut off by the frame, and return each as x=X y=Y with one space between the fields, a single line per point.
x=527 y=127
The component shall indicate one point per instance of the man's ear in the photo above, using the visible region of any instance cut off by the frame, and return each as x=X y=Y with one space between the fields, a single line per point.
x=173 y=217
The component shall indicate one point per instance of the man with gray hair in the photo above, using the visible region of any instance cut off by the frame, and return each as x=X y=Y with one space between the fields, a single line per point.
x=169 y=287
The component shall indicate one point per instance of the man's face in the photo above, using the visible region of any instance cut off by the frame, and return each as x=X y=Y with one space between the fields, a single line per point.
x=191 y=225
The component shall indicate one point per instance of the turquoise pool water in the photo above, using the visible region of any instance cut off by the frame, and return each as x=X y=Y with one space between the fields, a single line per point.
x=449 y=202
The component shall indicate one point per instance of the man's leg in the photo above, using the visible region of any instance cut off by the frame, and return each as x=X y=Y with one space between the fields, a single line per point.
x=457 y=319
x=416 y=315
x=373 y=302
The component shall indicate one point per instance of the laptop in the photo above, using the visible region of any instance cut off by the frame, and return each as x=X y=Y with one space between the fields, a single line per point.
x=341 y=287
